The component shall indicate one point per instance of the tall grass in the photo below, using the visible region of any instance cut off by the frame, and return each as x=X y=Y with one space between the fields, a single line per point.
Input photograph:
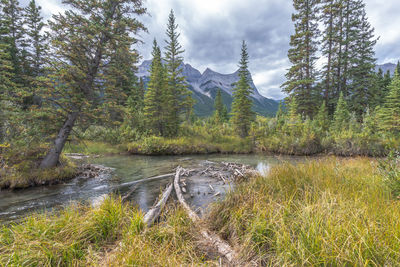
x=112 y=234
x=326 y=212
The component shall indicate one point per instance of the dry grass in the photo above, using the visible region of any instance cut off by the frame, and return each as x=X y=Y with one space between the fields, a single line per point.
x=326 y=212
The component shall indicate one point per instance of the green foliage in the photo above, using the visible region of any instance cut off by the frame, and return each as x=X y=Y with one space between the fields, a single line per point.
x=221 y=111
x=390 y=112
x=341 y=116
x=242 y=115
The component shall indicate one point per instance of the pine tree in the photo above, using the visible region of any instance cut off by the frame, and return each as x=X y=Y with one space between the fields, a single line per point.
x=6 y=84
x=221 y=112
x=178 y=97
x=302 y=75
x=12 y=17
x=154 y=101
x=38 y=46
x=341 y=116
x=390 y=112
x=362 y=87
x=330 y=16
x=321 y=120
x=398 y=66
x=293 y=119
x=242 y=115
x=280 y=116
x=79 y=70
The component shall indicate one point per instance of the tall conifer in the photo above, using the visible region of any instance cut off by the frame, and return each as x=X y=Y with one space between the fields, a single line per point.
x=302 y=75
x=242 y=115
x=178 y=98
x=154 y=100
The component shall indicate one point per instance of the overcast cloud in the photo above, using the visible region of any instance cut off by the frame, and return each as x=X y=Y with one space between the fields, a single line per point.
x=212 y=31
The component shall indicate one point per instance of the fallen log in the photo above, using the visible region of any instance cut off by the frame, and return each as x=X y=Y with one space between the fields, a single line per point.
x=151 y=179
x=127 y=195
x=151 y=216
x=223 y=248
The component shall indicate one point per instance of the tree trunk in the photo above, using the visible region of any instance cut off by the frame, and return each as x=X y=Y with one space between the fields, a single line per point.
x=53 y=156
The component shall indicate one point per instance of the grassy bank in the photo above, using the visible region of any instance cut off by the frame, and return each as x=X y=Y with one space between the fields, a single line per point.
x=328 y=212
x=20 y=168
x=112 y=234
x=189 y=145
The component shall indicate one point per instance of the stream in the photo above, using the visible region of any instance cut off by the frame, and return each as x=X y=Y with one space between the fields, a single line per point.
x=16 y=204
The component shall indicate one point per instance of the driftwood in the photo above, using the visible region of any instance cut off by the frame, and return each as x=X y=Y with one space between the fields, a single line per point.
x=223 y=248
x=151 y=216
x=127 y=195
x=152 y=178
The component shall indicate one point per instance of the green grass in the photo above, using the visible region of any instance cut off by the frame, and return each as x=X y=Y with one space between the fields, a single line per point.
x=112 y=234
x=327 y=212
x=93 y=148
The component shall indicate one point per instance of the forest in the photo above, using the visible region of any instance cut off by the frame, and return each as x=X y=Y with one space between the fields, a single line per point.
x=69 y=85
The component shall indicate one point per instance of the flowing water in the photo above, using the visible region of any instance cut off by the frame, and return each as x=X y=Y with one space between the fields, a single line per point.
x=16 y=204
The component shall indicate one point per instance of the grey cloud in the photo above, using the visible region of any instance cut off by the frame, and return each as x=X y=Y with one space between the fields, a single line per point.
x=212 y=31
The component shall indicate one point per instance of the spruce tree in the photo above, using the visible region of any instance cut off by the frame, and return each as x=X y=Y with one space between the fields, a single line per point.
x=390 y=112
x=302 y=74
x=362 y=86
x=242 y=115
x=154 y=100
x=178 y=97
x=6 y=85
x=12 y=16
x=341 y=116
x=321 y=120
x=80 y=69
x=398 y=66
x=329 y=16
x=220 y=113
x=38 y=47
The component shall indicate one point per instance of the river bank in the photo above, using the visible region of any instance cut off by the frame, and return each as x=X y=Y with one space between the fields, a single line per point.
x=326 y=211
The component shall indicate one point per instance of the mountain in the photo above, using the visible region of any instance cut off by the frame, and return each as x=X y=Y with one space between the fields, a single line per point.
x=204 y=87
x=386 y=67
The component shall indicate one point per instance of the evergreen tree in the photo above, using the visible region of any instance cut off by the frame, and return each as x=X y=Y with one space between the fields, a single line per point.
x=341 y=116
x=12 y=16
x=302 y=75
x=293 y=119
x=221 y=112
x=280 y=116
x=362 y=87
x=178 y=97
x=242 y=115
x=80 y=71
x=6 y=84
x=390 y=112
x=321 y=120
x=38 y=46
x=154 y=101
x=331 y=13
x=398 y=66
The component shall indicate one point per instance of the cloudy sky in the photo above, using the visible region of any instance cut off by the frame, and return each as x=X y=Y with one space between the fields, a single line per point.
x=212 y=30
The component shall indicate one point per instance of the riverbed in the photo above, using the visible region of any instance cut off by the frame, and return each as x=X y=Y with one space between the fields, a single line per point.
x=16 y=204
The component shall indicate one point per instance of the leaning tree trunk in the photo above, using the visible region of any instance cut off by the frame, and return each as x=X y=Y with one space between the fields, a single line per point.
x=53 y=156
